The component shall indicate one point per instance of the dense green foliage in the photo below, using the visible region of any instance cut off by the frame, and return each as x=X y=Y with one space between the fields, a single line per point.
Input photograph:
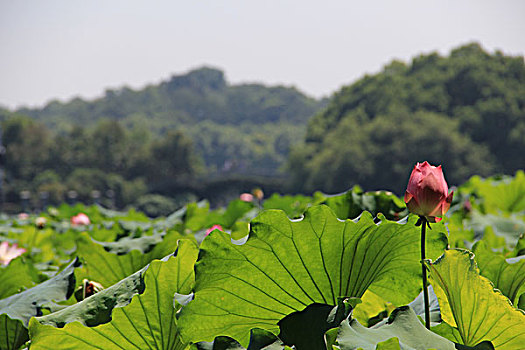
x=263 y=279
x=466 y=111
x=105 y=158
x=154 y=140
x=246 y=128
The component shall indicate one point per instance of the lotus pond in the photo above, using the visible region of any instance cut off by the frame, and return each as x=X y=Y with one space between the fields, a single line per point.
x=306 y=272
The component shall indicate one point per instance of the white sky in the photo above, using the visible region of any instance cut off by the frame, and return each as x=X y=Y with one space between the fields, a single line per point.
x=64 y=48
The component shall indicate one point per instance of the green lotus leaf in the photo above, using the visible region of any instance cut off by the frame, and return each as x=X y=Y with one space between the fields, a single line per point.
x=131 y=227
x=305 y=329
x=507 y=195
x=143 y=244
x=19 y=274
x=286 y=265
x=508 y=278
x=97 y=309
x=520 y=246
x=108 y=268
x=352 y=203
x=470 y=304
x=294 y=206
x=29 y=303
x=13 y=334
x=235 y=210
x=403 y=331
x=148 y=322
x=259 y=339
x=509 y=227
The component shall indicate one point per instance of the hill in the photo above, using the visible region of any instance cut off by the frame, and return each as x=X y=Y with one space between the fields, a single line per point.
x=465 y=111
x=244 y=128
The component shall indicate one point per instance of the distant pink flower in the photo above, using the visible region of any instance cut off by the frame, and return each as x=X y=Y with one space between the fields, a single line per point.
x=246 y=197
x=80 y=219
x=8 y=253
x=23 y=216
x=214 y=227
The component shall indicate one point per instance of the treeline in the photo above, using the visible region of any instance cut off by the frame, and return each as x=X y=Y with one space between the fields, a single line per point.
x=246 y=128
x=108 y=159
x=197 y=136
x=193 y=135
x=465 y=111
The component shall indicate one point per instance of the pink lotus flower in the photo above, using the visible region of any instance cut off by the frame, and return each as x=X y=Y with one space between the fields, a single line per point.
x=80 y=219
x=8 y=253
x=427 y=192
x=246 y=197
x=214 y=227
x=23 y=216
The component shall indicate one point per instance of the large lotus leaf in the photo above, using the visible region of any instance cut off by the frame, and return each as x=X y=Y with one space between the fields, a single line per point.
x=143 y=244
x=199 y=217
x=260 y=339
x=350 y=204
x=294 y=206
x=507 y=195
x=372 y=309
x=97 y=308
x=469 y=303
x=38 y=243
x=108 y=268
x=171 y=220
x=148 y=322
x=286 y=265
x=196 y=216
x=403 y=331
x=459 y=236
x=235 y=210
x=305 y=329
x=18 y=275
x=132 y=227
x=509 y=278
x=418 y=306
x=509 y=227
x=29 y=303
x=520 y=246
x=12 y=333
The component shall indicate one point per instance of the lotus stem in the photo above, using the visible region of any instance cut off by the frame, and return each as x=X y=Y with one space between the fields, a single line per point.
x=424 y=224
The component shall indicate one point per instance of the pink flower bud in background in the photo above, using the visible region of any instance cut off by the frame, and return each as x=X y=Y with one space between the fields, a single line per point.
x=23 y=216
x=246 y=197
x=8 y=253
x=214 y=227
x=80 y=219
x=427 y=192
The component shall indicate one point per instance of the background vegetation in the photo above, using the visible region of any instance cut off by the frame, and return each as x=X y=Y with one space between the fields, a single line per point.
x=465 y=111
x=198 y=136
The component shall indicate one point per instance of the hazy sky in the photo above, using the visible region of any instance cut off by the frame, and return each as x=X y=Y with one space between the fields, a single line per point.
x=64 y=48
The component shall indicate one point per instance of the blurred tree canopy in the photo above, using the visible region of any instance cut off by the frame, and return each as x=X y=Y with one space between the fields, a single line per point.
x=465 y=111
x=161 y=139
x=240 y=128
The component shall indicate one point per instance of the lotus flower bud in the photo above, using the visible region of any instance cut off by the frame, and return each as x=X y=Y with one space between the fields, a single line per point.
x=80 y=219
x=427 y=192
x=246 y=197
x=214 y=227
